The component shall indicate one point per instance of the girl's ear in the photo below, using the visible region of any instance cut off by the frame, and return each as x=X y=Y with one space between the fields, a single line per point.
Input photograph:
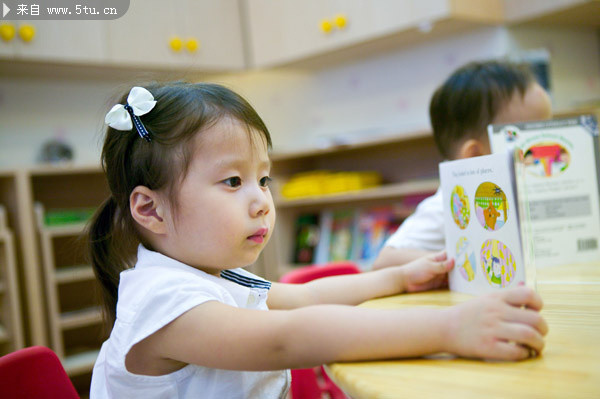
x=147 y=209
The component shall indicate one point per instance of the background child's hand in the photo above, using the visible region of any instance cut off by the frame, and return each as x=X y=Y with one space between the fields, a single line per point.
x=426 y=273
x=497 y=326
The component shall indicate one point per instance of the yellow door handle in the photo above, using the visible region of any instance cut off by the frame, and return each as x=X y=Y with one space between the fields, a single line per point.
x=192 y=45
x=7 y=32
x=340 y=21
x=326 y=26
x=27 y=33
x=176 y=44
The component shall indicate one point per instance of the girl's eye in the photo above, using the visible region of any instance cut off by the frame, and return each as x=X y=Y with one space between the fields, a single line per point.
x=233 y=181
x=264 y=182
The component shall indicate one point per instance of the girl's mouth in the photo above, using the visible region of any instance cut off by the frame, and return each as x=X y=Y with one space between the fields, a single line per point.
x=259 y=236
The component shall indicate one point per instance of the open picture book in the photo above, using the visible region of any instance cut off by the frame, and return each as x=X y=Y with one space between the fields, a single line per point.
x=562 y=168
x=486 y=232
x=532 y=203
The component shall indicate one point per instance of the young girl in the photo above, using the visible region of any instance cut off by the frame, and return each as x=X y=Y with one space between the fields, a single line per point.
x=188 y=169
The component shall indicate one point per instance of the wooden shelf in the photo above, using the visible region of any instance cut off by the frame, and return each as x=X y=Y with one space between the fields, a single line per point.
x=73 y=274
x=80 y=363
x=389 y=191
x=2 y=287
x=80 y=318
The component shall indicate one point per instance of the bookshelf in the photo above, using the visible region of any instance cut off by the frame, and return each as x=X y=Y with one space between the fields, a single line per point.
x=73 y=322
x=11 y=330
x=408 y=165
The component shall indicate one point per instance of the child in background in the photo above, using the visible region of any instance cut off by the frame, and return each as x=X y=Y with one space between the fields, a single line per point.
x=474 y=96
x=188 y=169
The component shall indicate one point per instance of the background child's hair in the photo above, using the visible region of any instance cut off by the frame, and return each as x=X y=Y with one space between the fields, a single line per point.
x=182 y=111
x=471 y=98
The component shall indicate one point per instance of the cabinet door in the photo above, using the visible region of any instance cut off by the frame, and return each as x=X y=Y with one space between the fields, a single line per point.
x=286 y=30
x=217 y=27
x=144 y=35
x=69 y=41
x=141 y=37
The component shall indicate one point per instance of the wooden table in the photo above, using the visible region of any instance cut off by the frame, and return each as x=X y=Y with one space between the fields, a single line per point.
x=568 y=368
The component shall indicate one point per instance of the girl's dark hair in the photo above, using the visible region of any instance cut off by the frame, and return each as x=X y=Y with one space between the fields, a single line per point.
x=470 y=99
x=182 y=110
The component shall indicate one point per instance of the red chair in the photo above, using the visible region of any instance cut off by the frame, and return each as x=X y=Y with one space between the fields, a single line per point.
x=313 y=383
x=34 y=372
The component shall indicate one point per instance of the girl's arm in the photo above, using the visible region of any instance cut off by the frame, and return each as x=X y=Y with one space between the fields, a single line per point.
x=425 y=273
x=391 y=256
x=219 y=336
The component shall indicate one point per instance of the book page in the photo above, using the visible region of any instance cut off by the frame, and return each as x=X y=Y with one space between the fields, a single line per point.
x=561 y=181
x=481 y=224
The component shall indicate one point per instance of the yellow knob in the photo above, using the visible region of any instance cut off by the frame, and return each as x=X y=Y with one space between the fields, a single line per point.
x=7 y=32
x=326 y=26
x=340 y=21
x=192 y=45
x=27 y=32
x=176 y=44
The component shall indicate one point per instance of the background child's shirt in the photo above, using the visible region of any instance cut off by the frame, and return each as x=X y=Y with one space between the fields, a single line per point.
x=424 y=229
x=154 y=293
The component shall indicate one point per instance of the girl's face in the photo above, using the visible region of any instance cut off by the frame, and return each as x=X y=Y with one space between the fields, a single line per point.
x=225 y=213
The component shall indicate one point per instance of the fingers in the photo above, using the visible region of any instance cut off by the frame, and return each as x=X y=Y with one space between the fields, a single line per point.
x=440 y=256
x=521 y=334
x=509 y=351
x=526 y=316
x=523 y=296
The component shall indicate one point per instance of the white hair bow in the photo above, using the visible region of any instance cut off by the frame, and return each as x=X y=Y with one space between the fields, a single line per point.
x=122 y=117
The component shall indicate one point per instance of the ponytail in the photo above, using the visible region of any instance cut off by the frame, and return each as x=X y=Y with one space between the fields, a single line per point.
x=110 y=252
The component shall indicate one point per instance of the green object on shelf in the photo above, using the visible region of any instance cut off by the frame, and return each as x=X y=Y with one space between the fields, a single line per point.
x=59 y=217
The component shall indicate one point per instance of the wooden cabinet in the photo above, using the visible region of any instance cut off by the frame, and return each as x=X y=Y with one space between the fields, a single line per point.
x=64 y=41
x=408 y=165
x=187 y=33
x=286 y=31
x=579 y=13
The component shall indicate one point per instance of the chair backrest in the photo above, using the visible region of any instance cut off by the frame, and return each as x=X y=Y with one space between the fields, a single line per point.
x=314 y=383
x=34 y=372
x=305 y=274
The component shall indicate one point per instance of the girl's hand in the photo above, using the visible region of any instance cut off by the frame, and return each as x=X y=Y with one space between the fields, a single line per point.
x=506 y=326
x=426 y=273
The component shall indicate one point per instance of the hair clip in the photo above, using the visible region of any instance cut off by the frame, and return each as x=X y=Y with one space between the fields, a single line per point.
x=123 y=117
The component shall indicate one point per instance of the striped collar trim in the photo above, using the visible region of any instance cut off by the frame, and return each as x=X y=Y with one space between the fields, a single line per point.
x=244 y=280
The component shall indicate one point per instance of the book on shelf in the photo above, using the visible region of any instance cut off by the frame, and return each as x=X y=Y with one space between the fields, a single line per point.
x=486 y=223
x=355 y=234
x=562 y=168
x=307 y=237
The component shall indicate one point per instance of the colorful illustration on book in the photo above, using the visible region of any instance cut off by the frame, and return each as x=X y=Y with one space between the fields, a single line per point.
x=511 y=133
x=459 y=206
x=491 y=206
x=546 y=159
x=498 y=263
x=465 y=259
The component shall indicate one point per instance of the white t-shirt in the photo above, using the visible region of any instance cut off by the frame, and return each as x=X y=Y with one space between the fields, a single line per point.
x=424 y=229
x=154 y=293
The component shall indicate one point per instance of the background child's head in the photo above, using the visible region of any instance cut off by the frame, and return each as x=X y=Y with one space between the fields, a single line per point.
x=479 y=94
x=182 y=112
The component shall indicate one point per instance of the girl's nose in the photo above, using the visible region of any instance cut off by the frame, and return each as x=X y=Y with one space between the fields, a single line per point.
x=261 y=203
